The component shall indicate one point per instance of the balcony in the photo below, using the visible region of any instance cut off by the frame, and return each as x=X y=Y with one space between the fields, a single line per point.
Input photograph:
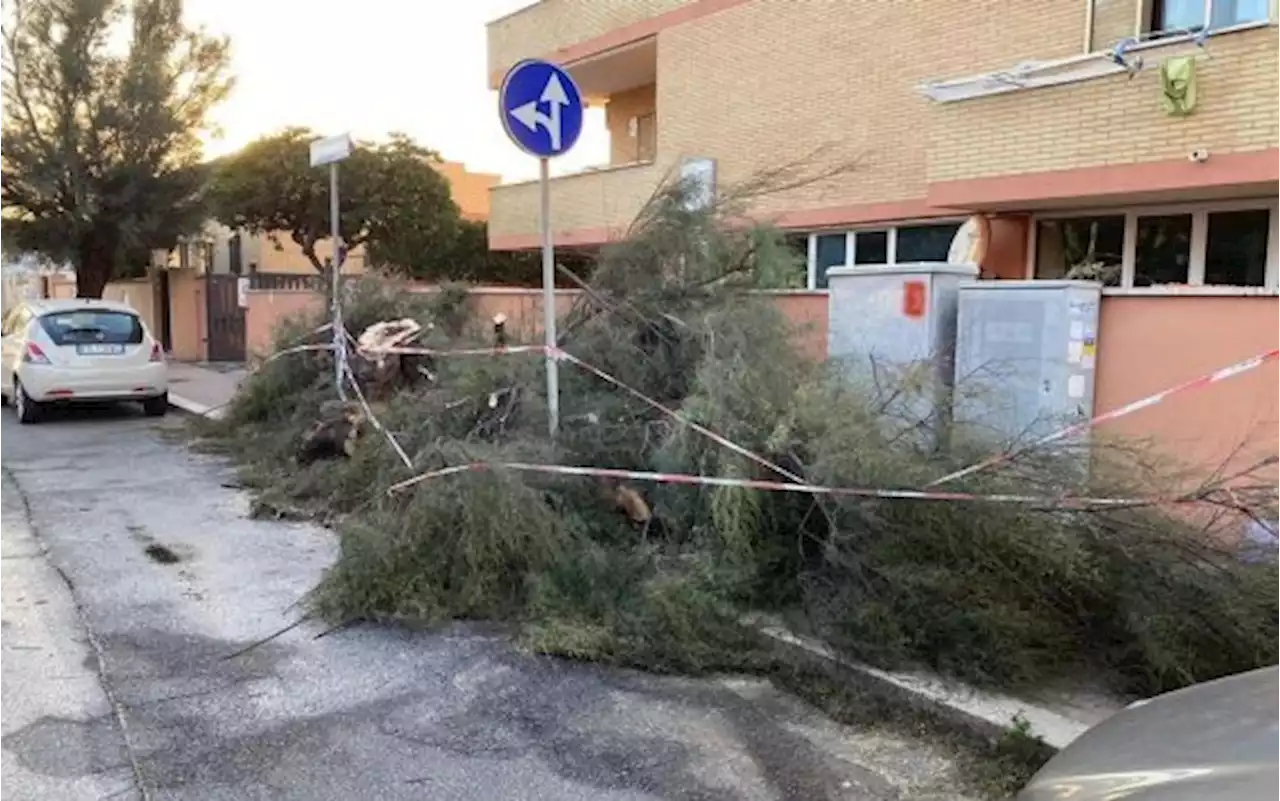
x=587 y=208
x=590 y=206
x=566 y=31
x=594 y=205
x=1087 y=114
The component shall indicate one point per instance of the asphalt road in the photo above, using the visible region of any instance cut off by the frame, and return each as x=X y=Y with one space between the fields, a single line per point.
x=117 y=682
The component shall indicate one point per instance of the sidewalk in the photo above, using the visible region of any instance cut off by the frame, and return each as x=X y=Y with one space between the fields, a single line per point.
x=203 y=389
x=1056 y=717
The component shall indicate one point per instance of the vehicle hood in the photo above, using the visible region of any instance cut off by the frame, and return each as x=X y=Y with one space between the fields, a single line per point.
x=1216 y=740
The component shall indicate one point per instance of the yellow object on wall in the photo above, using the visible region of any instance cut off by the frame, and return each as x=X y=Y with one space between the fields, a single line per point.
x=1178 y=84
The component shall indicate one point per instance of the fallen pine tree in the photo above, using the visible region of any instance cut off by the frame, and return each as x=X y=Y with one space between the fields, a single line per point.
x=657 y=575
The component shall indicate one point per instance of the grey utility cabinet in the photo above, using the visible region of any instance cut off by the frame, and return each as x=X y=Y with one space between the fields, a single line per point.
x=1026 y=353
x=896 y=325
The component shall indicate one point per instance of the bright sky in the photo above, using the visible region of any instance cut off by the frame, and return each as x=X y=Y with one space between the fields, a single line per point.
x=416 y=66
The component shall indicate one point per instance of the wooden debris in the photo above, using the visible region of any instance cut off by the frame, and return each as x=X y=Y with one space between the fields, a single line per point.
x=335 y=433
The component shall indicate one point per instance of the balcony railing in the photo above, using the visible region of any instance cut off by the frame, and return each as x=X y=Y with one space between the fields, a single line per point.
x=1110 y=117
x=587 y=208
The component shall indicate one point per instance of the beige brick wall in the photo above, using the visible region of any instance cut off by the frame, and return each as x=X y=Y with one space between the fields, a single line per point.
x=624 y=145
x=1113 y=20
x=608 y=197
x=287 y=257
x=772 y=81
x=1113 y=120
x=552 y=24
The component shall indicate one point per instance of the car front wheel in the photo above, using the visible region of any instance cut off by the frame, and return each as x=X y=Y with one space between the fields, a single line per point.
x=28 y=411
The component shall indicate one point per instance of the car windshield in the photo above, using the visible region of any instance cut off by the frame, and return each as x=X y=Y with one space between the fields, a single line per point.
x=84 y=326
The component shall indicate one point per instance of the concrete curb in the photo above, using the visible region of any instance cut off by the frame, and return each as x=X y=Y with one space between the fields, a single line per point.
x=195 y=407
x=989 y=713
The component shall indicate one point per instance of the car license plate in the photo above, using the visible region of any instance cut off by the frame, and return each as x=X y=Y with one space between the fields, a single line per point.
x=99 y=349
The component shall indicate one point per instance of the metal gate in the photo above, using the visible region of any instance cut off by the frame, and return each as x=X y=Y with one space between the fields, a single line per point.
x=226 y=319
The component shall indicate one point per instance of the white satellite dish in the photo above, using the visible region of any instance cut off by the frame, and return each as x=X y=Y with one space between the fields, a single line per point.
x=969 y=242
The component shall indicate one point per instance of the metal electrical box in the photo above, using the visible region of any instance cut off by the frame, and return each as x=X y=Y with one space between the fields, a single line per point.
x=886 y=320
x=1026 y=353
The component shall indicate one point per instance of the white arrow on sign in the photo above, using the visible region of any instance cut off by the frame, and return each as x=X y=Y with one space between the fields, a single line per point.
x=554 y=95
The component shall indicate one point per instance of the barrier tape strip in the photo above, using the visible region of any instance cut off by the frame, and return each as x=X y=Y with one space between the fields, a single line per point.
x=373 y=418
x=800 y=485
x=1222 y=374
x=672 y=413
x=565 y=355
x=415 y=351
x=1067 y=501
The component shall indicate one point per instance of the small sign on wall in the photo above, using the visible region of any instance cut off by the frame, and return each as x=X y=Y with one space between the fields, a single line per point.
x=914 y=299
x=242 y=292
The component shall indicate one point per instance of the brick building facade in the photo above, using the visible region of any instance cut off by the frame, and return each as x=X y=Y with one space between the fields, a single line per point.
x=1046 y=118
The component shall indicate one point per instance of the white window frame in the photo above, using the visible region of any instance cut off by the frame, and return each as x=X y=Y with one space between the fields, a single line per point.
x=851 y=243
x=1199 y=245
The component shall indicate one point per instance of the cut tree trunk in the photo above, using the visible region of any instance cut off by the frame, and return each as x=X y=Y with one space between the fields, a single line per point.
x=92 y=274
x=95 y=262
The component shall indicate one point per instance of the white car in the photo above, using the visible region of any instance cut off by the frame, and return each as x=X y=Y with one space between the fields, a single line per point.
x=80 y=350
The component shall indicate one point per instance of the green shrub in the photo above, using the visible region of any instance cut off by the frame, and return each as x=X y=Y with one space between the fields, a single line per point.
x=1008 y=594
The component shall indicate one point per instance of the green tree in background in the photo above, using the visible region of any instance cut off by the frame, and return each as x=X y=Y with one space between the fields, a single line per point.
x=392 y=199
x=469 y=259
x=102 y=156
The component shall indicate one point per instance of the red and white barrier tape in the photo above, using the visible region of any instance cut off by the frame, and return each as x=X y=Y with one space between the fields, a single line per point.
x=414 y=351
x=373 y=418
x=672 y=413
x=561 y=354
x=779 y=486
x=1129 y=408
x=799 y=484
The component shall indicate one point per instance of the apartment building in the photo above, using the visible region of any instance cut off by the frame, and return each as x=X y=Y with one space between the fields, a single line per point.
x=1139 y=136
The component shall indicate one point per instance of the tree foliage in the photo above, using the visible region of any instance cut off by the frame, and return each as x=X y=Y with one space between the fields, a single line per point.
x=392 y=199
x=102 y=156
x=468 y=259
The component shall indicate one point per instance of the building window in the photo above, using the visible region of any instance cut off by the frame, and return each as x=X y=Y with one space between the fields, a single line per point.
x=646 y=136
x=1084 y=247
x=1182 y=16
x=1223 y=244
x=925 y=242
x=875 y=246
x=871 y=247
x=796 y=272
x=1177 y=16
x=1236 y=248
x=1225 y=13
x=830 y=253
x=1162 y=254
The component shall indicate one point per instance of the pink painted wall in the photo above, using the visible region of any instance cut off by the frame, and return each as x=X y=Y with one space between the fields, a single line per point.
x=1145 y=344
x=807 y=311
x=1148 y=344
x=268 y=308
x=523 y=308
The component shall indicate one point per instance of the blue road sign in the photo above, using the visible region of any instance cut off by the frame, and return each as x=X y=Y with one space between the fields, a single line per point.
x=541 y=108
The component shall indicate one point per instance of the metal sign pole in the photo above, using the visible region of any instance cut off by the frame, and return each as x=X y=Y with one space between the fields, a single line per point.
x=549 y=295
x=330 y=151
x=339 y=330
x=541 y=111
